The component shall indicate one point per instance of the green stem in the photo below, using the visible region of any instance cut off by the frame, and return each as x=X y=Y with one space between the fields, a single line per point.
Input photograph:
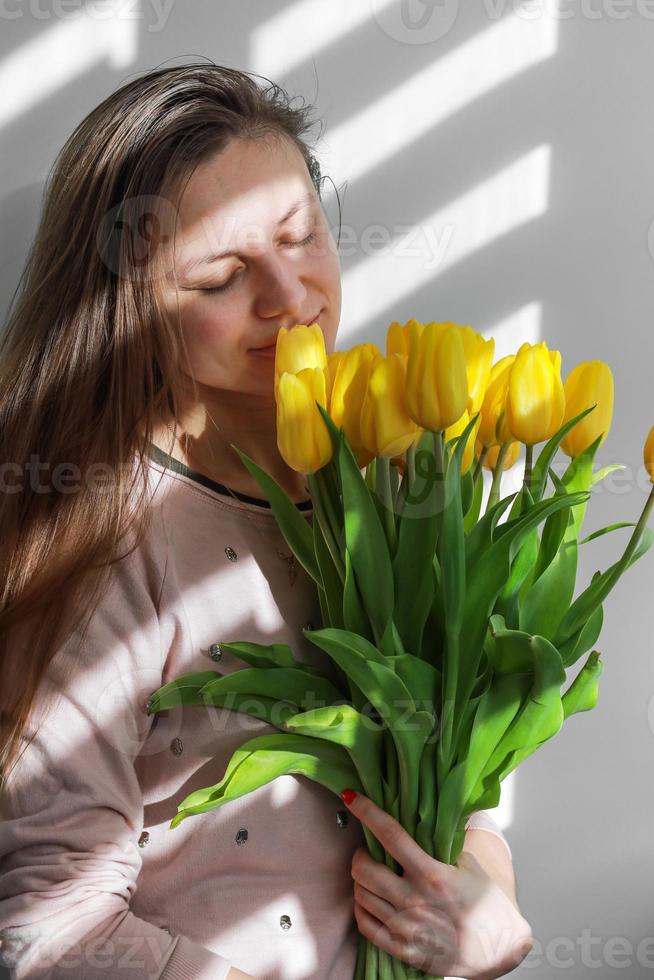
x=411 y=464
x=480 y=462
x=372 y=953
x=394 y=474
x=494 y=494
x=383 y=488
x=529 y=452
x=320 y=512
x=447 y=743
x=439 y=459
x=632 y=544
x=328 y=488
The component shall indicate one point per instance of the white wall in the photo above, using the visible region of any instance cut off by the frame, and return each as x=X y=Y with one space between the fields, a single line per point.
x=505 y=152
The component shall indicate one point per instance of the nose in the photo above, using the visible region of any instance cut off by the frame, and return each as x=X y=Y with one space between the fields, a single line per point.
x=282 y=293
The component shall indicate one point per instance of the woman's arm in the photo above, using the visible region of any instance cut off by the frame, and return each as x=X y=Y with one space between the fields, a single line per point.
x=72 y=811
x=494 y=859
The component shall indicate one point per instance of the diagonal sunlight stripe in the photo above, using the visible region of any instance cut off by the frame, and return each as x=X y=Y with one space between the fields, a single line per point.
x=438 y=91
x=300 y=31
x=48 y=62
x=523 y=325
x=502 y=202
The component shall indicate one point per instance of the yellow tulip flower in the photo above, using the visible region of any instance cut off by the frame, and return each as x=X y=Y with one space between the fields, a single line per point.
x=493 y=406
x=479 y=359
x=400 y=459
x=648 y=454
x=303 y=439
x=456 y=430
x=437 y=383
x=398 y=336
x=386 y=427
x=333 y=361
x=299 y=347
x=510 y=459
x=589 y=383
x=535 y=402
x=348 y=394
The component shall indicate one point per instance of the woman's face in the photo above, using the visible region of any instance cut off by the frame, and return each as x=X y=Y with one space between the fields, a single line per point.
x=281 y=268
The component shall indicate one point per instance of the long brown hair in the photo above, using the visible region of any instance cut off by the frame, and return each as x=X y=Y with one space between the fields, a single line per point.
x=88 y=360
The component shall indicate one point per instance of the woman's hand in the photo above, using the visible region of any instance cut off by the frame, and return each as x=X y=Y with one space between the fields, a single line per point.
x=452 y=920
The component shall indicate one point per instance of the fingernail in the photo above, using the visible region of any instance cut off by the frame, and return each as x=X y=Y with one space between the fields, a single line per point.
x=348 y=795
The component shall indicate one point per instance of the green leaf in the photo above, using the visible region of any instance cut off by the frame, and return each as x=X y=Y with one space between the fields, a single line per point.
x=481 y=536
x=191 y=689
x=606 y=530
x=604 y=471
x=539 y=718
x=511 y=652
x=391 y=698
x=354 y=615
x=472 y=515
x=422 y=679
x=541 y=466
x=345 y=726
x=543 y=606
x=495 y=713
x=331 y=581
x=487 y=575
x=364 y=537
x=412 y=564
x=579 y=476
x=260 y=654
x=332 y=537
x=452 y=552
x=299 y=687
x=264 y=758
x=582 y=693
x=293 y=525
x=522 y=565
x=453 y=540
x=272 y=655
x=181 y=690
x=583 y=639
x=467 y=491
x=586 y=603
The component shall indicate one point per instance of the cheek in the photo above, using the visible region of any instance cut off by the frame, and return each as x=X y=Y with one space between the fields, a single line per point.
x=208 y=326
x=211 y=342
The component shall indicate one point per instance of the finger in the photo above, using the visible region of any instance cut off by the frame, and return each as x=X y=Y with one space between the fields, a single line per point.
x=390 y=941
x=419 y=944
x=381 y=880
x=375 y=930
x=372 y=903
x=391 y=834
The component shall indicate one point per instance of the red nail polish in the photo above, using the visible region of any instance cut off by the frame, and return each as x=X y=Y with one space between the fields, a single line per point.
x=348 y=795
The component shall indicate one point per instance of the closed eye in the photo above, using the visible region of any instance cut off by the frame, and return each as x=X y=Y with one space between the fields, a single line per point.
x=232 y=282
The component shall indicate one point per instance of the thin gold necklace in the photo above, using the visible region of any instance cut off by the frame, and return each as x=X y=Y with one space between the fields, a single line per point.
x=290 y=559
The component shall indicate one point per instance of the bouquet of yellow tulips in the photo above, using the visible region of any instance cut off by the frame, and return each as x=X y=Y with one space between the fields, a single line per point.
x=449 y=631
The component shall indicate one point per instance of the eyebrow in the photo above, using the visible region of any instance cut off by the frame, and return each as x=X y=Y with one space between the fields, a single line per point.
x=210 y=257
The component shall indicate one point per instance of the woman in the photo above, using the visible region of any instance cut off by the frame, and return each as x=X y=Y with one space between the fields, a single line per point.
x=132 y=360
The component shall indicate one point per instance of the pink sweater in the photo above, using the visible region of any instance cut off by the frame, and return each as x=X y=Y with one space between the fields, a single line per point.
x=93 y=882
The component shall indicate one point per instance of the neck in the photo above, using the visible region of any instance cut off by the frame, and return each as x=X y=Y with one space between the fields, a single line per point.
x=206 y=429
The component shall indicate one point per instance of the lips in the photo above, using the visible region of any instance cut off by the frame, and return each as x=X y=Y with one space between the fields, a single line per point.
x=273 y=343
